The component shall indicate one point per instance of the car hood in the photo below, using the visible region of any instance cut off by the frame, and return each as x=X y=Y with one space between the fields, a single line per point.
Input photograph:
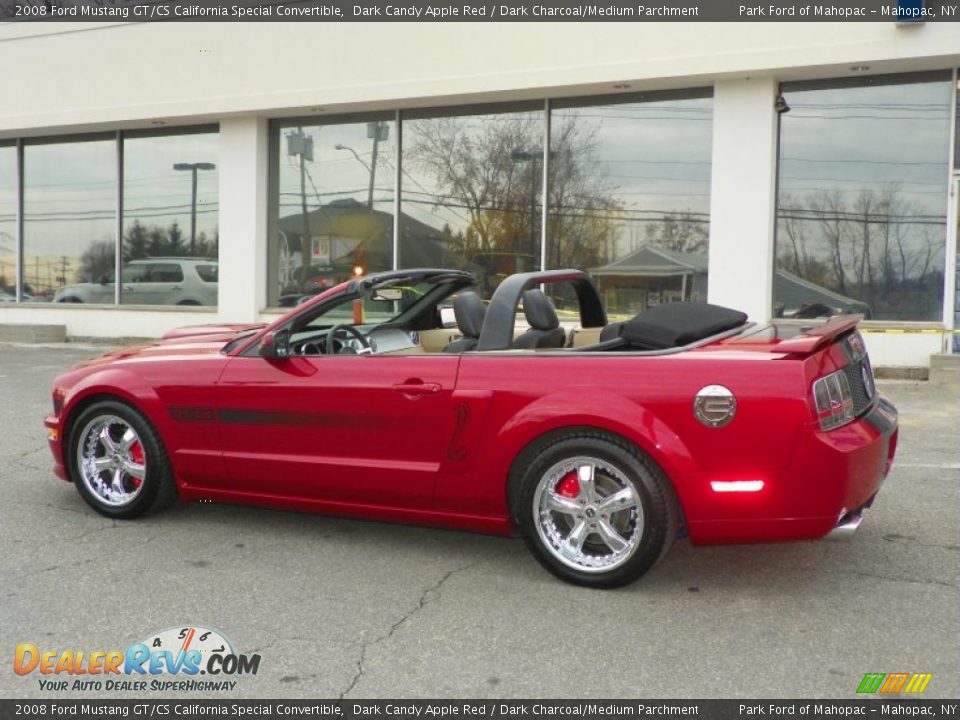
x=232 y=329
x=208 y=342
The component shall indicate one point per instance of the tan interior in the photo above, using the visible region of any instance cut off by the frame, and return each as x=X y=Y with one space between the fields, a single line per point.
x=581 y=337
x=435 y=341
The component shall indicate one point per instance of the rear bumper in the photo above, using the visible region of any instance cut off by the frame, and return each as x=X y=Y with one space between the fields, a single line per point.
x=830 y=479
x=55 y=441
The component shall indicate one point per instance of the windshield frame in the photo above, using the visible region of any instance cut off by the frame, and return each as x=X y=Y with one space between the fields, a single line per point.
x=446 y=282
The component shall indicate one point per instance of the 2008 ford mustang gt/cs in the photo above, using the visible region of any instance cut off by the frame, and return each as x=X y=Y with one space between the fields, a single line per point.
x=599 y=444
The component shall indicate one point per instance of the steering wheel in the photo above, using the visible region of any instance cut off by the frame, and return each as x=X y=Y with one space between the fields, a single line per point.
x=346 y=329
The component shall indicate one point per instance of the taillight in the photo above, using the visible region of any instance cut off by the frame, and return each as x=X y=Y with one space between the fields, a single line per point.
x=834 y=401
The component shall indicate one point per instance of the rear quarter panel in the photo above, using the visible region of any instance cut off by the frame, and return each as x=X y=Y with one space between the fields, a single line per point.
x=511 y=399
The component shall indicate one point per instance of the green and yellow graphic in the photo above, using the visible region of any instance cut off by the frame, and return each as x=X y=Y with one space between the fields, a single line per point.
x=893 y=683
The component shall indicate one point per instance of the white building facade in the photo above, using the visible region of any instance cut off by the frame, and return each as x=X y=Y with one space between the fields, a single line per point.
x=224 y=171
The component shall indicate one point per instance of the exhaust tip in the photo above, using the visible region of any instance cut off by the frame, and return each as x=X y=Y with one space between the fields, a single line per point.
x=847 y=526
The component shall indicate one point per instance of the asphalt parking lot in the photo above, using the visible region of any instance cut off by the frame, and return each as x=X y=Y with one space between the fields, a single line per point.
x=363 y=610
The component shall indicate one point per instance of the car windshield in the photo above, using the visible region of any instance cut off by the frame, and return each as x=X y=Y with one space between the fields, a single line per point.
x=376 y=306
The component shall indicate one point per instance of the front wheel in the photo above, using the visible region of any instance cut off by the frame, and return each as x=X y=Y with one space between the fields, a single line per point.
x=593 y=509
x=118 y=462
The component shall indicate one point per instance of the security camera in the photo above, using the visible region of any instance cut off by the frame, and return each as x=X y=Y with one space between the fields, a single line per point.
x=780 y=105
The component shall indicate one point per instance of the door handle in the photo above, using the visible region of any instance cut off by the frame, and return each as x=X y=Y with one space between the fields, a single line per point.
x=417 y=388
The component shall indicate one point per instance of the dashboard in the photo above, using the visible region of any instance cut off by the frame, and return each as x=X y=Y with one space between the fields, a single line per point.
x=381 y=340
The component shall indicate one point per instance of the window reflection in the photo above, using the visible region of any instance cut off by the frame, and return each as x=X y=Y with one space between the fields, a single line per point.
x=332 y=212
x=630 y=197
x=472 y=193
x=69 y=196
x=170 y=210
x=861 y=223
x=8 y=220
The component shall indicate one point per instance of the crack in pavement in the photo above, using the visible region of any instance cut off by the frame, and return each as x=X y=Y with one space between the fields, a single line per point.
x=910 y=581
x=428 y=596
x=24 y=453
x=894 y=537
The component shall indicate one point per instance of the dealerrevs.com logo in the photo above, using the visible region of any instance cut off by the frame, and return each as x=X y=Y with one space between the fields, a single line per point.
x=180 y=659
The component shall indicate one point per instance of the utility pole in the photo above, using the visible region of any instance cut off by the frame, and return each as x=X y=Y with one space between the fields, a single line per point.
x=64 y=265
x=301 y=145
x=192 y=169
x=378 y=131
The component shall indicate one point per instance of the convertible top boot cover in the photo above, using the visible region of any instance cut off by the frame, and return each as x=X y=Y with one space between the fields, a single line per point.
x=677 y=324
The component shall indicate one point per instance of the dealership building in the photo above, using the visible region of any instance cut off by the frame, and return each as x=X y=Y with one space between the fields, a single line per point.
x=222 y=172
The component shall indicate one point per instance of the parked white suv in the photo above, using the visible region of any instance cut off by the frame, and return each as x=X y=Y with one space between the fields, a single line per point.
x=154 y=281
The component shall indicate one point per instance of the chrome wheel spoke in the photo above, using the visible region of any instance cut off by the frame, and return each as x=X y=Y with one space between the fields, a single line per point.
x=573 y=545
x=611 y=537
x=586 y=475
x=98 y=465
x=620 y=500
x=116 y=485
x=107 y=440
x=560 y=504
x=133 y=469
x=129 y=438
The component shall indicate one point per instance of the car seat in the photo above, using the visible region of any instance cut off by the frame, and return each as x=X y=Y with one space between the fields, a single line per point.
x=544 y=330
x=469 y=311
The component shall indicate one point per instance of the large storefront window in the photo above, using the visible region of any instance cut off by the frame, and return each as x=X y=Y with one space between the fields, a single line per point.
x=861 y=217
x=332 y=207
x=170 y=240
x=629 y=195
x=8 y=220
x=628 y=179
x=69 y=223
x=472 y=191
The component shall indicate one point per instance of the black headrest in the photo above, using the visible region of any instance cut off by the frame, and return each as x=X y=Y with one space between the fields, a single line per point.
x=468 y=308
x=677 y=324
x=539 y=310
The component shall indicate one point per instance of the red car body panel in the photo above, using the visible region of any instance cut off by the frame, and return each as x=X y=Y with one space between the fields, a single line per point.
x=431 y=438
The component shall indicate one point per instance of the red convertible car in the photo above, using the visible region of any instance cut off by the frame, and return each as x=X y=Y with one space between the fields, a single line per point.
x=599 y=444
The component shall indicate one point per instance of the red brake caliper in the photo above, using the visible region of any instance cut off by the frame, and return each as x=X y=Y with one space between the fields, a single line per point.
x=569 y=485
x=136 y=454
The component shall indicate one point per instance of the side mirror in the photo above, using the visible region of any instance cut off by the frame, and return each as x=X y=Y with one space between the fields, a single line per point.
x=275 y=345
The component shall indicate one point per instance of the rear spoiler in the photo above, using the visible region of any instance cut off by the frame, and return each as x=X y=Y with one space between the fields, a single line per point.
x=811 y=340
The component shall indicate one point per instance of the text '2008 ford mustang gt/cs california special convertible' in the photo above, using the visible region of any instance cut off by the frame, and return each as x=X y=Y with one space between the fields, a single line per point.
x=403 y=396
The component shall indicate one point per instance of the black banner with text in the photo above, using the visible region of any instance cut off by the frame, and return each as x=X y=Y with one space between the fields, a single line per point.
x=903 y=12
x=432 y=709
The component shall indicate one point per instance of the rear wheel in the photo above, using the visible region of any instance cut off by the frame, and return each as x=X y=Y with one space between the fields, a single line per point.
x=118 y=462
x=592 y=508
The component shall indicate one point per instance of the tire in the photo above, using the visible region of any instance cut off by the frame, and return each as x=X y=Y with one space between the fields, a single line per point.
x=188 y=302
x=592 y=508
x=118 y=462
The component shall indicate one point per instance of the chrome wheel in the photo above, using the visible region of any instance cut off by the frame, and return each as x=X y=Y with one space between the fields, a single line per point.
x=111 y=460
x=588 y=514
